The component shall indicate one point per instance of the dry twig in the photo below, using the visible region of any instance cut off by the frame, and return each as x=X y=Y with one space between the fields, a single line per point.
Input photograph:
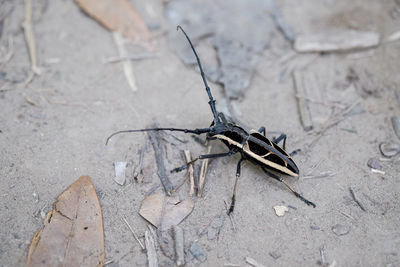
x=30 y=41
x=353 y=195
x=151 y=249
x=190 y=172
x=126 y=63
x=203 y=172
x=134 y=234
x=305 y=114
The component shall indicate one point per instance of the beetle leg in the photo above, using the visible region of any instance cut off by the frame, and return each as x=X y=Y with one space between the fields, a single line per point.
x=262 y=130
x=207 y=156
x=294 y=152
x=235 y=187
x=289 y=187
x=280 y=138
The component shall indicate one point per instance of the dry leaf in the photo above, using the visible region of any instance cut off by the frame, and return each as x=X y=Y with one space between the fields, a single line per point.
x=117 y=15
x=165 y=212
x=73 y=231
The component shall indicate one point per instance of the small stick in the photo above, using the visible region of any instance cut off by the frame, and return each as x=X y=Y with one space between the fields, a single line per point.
x=128 y=57
x=30 y=42
x=322 y=252
x=151 y=249
x=321 y=175
x=162 y=173
x=190 y=172
x=203 y=172
x=127 y=64
x=179 y=245
x=134 y=234
x=305 y=115
x=346 y=215
x=353 y=195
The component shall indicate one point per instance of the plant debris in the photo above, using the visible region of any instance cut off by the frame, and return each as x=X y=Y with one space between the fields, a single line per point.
x=117 y=15
x=353 y=195
x=336 y=41
x=162 y=173
x=120 y=168
x=73 y=230
x=190 y=173
x=151 y=249
x=305 y=115
x=164 y=212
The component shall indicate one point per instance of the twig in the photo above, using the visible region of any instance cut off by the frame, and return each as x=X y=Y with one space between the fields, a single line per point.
x=353 y=195
x=305 y=115
x=154 y=137
x=134 y=234
x=127 y=64
x=30 y=42
x=203 y=172
x=322 y=253
x=321 y=175
x=346 y=215
x=128 y=57
x=151 y=249
x=179 y=245
x=190 y=172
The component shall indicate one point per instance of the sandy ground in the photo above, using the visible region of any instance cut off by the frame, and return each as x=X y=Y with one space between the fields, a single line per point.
x=53 y=131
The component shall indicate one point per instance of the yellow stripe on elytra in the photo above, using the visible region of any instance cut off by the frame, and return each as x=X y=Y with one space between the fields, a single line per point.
x=270 y=163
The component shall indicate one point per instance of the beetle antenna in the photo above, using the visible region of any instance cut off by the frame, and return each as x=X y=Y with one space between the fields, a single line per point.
x=212 y=101
x=195 y=131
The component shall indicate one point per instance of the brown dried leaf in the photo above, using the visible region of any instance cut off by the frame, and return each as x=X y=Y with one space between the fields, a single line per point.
x=165 y=212
x=73 y=231
x=117 y=15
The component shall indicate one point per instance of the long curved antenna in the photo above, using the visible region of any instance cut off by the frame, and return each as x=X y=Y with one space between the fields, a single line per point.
x=195 y=131
x=212 y=101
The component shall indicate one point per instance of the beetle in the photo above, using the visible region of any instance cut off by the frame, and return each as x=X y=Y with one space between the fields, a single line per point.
x=253 y=146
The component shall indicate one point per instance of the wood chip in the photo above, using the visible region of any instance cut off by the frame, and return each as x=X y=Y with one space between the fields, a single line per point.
x=152 y=208
x=336 y=40
x=73 y=231
x=117 y=15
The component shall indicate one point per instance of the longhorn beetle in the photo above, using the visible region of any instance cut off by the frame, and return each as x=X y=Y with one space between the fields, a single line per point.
x=253 y=146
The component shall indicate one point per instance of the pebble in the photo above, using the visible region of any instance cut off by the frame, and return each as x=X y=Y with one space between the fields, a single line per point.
x=374 y=164
x=198 y=252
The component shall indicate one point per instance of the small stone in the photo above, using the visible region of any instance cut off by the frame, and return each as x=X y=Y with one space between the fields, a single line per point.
x=314 y=227
x=340 y=229
x=389 y=149
x=280 y=210
x=198 y=252
x=374 y=164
